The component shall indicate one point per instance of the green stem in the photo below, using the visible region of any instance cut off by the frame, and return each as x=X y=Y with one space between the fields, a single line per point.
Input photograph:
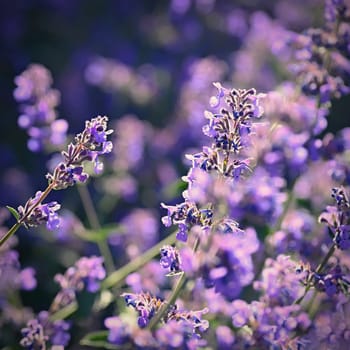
x=65 y=312
x=179 y=286
x=17 y=225
x=95 y=224
x=286 y=207
x=9 y=233
x=115 y=277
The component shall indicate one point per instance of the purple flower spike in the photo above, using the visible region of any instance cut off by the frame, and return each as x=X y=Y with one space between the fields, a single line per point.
x=87 y=146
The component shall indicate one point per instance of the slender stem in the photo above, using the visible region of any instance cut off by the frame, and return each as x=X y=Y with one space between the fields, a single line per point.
x=95 y=224
x=88 y=207
x=65 y=312
x=9 y=233
x=286 y=207
x=117 y=276
x=319 y=269
x=17 y=225
x=179 y=286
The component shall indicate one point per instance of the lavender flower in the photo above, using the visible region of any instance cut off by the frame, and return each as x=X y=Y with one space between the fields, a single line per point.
x=145 y=304
x=41 y=331
x=229 y=129
x=86 y=273
x=38 y=102
x=185 y=215
x=87 y=146
x=34 y=214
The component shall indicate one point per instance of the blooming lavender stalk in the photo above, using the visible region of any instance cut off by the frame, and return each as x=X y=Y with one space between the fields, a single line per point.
x=37 y=103
x=87 y=146
x=229 y=128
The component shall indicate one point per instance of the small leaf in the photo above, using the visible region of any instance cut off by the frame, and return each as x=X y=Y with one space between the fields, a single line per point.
x=13 y=211
x=99 y=340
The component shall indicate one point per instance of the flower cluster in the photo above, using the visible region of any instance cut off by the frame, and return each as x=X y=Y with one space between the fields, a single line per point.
x=87 y=146
x=145 y=304
x=37 y=103
x=229 y=128
x=35 y=213
x=185 y=215
x=41 y=331
x=86 y=273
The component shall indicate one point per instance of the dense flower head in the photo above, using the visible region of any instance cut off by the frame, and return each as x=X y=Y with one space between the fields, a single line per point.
x=145 y=304
x=87 y=273
x=41 y=331
x=37 y=103
x=229 y=128
x=34 y=214
x=87 y=146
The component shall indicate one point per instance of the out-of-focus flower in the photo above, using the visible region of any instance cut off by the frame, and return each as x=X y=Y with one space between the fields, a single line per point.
x=41 y=332
x=280 y=283
x=87 y=273
x=37 y=103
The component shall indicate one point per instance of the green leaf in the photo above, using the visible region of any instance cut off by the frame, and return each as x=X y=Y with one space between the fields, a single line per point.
x=13 y=211
x=98 y=339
